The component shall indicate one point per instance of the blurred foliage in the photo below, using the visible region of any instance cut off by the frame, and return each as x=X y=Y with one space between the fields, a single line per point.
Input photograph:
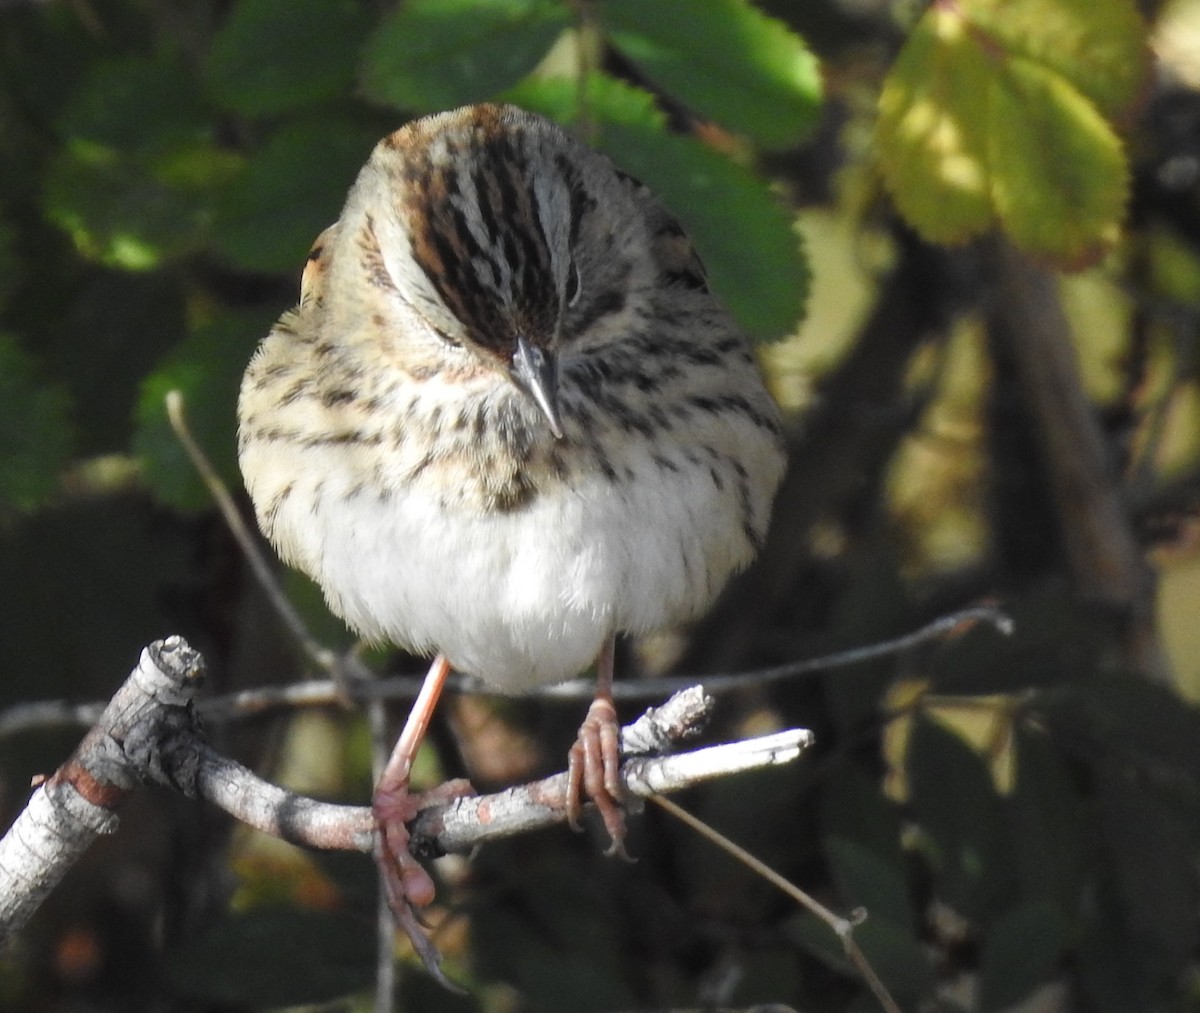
x=1008 y=111
x=1020 y=816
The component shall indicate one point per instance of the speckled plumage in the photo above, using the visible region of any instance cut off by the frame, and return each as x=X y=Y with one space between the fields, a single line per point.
x=506 y=422
x=393 y=453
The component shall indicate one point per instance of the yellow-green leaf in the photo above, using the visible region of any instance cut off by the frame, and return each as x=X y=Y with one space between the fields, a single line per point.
x=931 y=137
x=1059 y=182
x=989 y=118
x=1098 y=45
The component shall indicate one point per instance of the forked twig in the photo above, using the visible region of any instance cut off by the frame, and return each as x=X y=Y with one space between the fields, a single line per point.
x=149 y=732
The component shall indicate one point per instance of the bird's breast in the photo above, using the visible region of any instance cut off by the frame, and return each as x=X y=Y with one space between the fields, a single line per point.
x=526 y=595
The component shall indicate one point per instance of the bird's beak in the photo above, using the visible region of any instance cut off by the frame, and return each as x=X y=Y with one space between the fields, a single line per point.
x=535 y=371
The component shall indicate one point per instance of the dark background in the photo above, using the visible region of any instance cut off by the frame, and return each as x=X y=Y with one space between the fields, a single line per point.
x=1019 y=815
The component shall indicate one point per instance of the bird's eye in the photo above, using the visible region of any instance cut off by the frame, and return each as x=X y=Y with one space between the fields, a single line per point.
x=574 y=285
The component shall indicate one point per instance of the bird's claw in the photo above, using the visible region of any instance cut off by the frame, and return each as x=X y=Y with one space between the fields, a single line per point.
x=594 y=772
x=407 y=885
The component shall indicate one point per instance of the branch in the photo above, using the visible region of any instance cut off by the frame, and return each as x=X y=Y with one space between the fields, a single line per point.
x=149 y=733
x=136 y=740
x=323 y=692
x=1102 y=552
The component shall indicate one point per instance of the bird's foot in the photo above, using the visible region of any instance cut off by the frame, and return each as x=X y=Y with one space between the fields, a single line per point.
x=593 y=772
x=407 y=886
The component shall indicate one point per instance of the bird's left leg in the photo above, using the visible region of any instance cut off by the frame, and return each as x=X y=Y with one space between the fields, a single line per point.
x=593 y=764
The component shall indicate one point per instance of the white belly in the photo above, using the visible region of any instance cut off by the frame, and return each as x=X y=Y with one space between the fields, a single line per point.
x=526 y=597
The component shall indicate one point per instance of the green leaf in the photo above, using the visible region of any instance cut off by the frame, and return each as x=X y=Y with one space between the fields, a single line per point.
x=604 y=99
x=725 y=59
x=1152 y=727
x=1020 y=951
x=207 y=368
x=1048 y=825
x=746 y=238
x=430 y=55
x=955 y=803
x=122 y=211
x=1119 y=969
x=989 y=120
x=532 y=940
x=292 y=189
x=35 y=430
x=728 y=211
x=134 y=102
x=1151 y=850
x=852 y=807
x=115 y=184
x=273 y=56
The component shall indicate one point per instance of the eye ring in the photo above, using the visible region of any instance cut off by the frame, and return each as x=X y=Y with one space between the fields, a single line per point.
x=446 y=339
x=574 y=286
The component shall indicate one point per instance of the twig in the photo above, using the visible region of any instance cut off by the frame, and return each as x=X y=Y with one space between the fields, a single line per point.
x=952 y=623
x=325 y=692
x=342 y=668
x=385 y=925
x=843 y=927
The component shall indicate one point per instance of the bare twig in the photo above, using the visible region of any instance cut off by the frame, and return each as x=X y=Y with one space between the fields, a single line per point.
x=325 y=692
x=470 y=821
x=343 y=668
x=843 y=927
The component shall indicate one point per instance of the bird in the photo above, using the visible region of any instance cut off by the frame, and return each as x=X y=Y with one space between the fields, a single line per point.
x=507 y=421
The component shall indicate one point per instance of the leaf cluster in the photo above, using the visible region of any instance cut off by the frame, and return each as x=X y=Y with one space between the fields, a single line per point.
x=202 y=157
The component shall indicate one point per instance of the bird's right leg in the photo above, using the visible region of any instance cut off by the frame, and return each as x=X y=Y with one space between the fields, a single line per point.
x=406 y=883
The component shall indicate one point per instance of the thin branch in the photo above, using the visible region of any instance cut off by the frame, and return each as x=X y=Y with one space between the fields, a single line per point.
x=385 y=925
x=326 y=692
x=843 y=927
x=953 y=623
x=343 y=668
